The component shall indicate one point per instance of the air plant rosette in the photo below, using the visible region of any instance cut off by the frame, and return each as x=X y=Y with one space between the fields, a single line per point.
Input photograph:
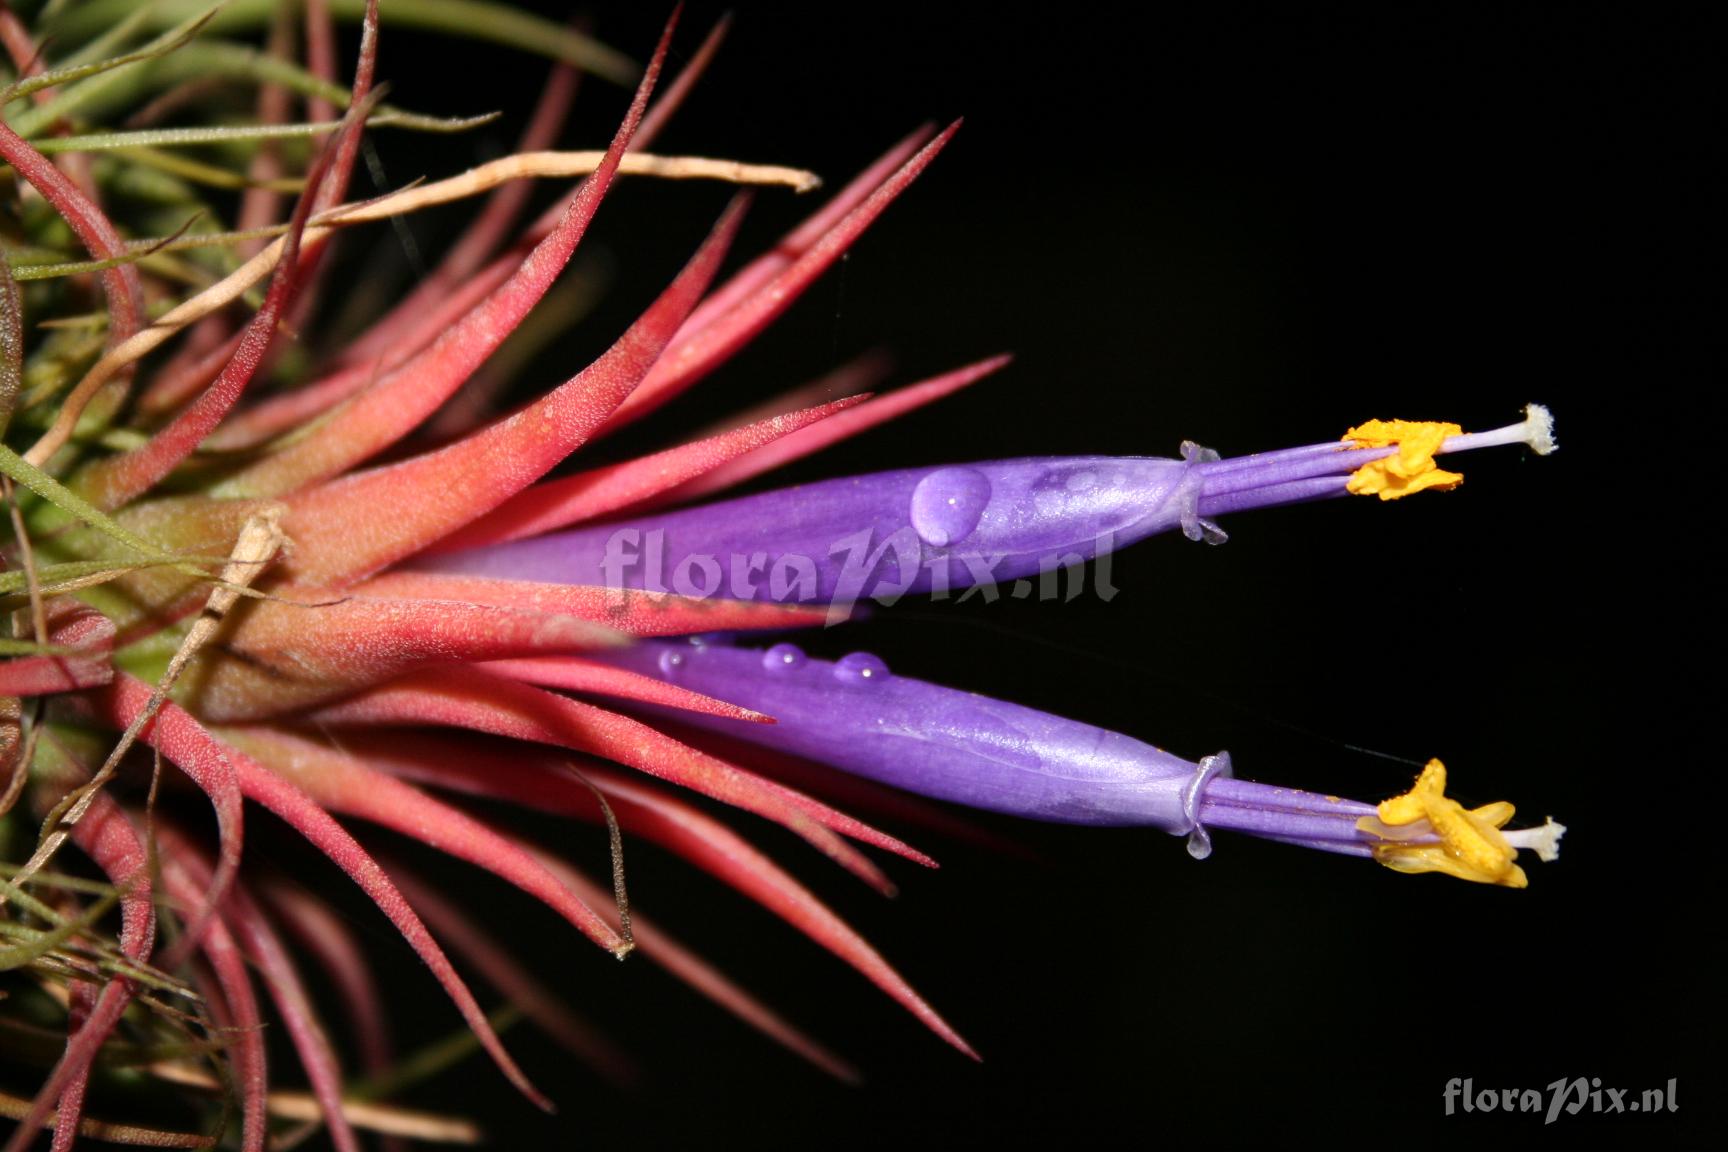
x=324 y=588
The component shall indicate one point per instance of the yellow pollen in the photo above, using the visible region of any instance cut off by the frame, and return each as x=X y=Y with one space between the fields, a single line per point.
x=1471 y=846
x=1411 y=468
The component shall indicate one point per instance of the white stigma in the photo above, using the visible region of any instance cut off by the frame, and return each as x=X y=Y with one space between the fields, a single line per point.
x=1539 y=429
x=1544 y=841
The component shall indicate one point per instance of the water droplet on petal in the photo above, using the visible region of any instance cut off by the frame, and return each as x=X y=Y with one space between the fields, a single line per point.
x=671 y=664
x=947 y=504
x=783 y=657
x=860 y=668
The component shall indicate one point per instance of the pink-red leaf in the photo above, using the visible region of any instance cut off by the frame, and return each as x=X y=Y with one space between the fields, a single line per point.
x=122 y=702
x=185 y=876
x=184 y=741
x=538 y=781
x=305 y=646
x=120 y=284
x=319 y=930
x=637 y=613
x=687 y=966
x=89 y=636
x=107 y=836
x=120 y=479
x=298 y=411
x=573 y=674
x=482 y=702
x=477 y=943
x=485 y=232
x=393 y=407
x=340 y=535
x=587 y=495
x=344 y=784
x=808 y=441
x=711 y=337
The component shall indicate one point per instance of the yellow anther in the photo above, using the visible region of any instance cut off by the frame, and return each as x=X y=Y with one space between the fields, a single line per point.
x=1411 y=468
x=1471 y=846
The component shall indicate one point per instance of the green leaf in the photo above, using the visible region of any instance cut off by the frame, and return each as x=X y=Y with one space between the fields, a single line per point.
x=90 y=60
x=209 y=59
x=10 y=647
x=476 y=19
x=37 y=944
x=27 y=475
x=189 y=137
x=11 y=344
x=101 y=75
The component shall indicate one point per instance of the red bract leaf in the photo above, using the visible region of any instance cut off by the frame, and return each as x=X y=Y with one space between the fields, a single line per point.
x=184 y=741
x=206 y=350
x=337 y=952
x=481 y=702
x=340 y=535
x=118 y=480
x=749 y=280
x=687 y=966
x=394 y=406
x=320 y=54
x=477 y=943
x=712 y=337
x=539 y=782
x=122 y=702
x=637 y=613
x=673 y=97
x=107 y=836
x=185 y=875
x=120 y=284
x=806 y=441
x=331 y=192
x=344 y=784
x=461 y=262
x=299 y=410
x=89 y=635
x=299 y=1017
x=484 y=233
x=589 y=495
x=713 y=848
x=305 y=647
x=572 y=674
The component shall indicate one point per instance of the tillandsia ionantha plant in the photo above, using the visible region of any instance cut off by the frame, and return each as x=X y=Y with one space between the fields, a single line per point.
x=317 y=586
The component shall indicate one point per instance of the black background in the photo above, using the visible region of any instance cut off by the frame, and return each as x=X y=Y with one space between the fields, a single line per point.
x=1251 y=230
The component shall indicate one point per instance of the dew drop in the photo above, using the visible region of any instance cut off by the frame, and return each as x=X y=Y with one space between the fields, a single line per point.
x=671 y=664
x=947 y=505
x=860 y=668
x=783 y=657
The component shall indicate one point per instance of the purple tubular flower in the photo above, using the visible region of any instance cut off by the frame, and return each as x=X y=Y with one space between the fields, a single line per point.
x=932 y=529
x=940 y=742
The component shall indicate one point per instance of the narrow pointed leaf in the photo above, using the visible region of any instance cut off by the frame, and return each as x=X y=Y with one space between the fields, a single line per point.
x=595 y=493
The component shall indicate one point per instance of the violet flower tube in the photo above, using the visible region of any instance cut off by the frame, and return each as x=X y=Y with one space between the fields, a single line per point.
x=984 y=753
x=924 y=530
